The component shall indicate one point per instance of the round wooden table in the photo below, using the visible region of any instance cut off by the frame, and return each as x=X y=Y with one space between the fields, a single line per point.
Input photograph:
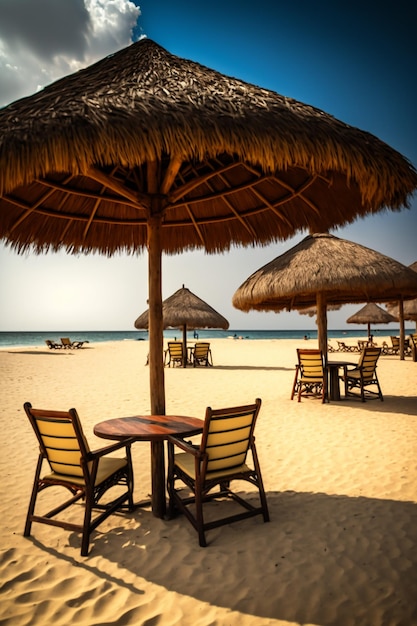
x=153 y=428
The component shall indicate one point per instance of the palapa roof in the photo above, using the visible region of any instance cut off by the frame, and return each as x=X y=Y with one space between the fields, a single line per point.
x=184 y=308
x=85 y=162
x=344 y=271
x=371 y=313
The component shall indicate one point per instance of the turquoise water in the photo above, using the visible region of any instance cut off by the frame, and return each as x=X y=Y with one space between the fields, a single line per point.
x=38 y=338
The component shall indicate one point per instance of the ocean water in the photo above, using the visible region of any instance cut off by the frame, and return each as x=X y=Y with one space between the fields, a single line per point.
x=38 y=338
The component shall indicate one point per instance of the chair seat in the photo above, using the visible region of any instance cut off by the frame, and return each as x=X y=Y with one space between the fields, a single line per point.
x=186 y=463
x=106 y=468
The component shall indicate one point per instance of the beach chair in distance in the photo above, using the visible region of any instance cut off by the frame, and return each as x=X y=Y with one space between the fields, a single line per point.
x=174 y=354
x=413 y=344
x=364 y=376
x=395 y=345
x=310 y=377
x=67 y=343
x=53 y=345
x=220 y=459
x=201 y=354
x=72 y=465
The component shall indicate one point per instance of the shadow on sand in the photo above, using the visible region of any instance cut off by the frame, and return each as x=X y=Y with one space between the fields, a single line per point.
x=322 y=559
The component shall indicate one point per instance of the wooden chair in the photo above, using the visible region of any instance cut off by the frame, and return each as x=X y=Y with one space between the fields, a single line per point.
x=344 y=347
x=395 y=343
x=53 y=345
x=67 y=343
x=86 y=474
x=413 y=344
x=201 y=354
x=174 y=354
x=220 y=459
x=310 y=378
x=364 y=375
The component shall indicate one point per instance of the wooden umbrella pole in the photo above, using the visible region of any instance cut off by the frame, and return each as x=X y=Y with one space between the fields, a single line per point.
x=322 y=323
x=156 y=330
x=184 y=345
x=402 y=331
x=156 y=364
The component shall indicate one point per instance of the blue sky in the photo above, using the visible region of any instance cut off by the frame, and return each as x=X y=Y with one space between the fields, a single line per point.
x=355 y=61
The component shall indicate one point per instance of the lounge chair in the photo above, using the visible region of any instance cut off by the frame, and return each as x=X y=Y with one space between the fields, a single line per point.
x=395 y=345
x=310 y=378
x=201 y=354
x=87 y=475
x=413 y=345
x=174 y=354
x=364 y=375
x=344 y=347
x=52 y=345
x=67 y=343
x=219 y=459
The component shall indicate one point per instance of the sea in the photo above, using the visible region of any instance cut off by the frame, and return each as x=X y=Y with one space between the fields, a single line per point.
x=15 y=339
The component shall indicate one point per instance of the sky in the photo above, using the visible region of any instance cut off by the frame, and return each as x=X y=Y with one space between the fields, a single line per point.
x=356 y=61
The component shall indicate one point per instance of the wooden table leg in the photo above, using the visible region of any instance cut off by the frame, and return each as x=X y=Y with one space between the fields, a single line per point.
x=334 y=389
x=158 y=479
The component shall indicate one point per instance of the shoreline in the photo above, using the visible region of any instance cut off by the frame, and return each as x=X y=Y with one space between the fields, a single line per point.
x=38 y=339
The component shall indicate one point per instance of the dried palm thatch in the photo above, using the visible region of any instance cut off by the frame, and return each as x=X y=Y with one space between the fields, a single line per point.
x=186 y=310
x=145 y=150
x=87 y=160
x=325 y=269
x=371 y=313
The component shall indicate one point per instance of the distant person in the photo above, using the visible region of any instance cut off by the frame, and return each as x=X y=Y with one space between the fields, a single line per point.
x=195 y=334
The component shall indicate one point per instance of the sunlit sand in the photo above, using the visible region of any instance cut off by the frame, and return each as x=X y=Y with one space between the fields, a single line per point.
x=341 y=482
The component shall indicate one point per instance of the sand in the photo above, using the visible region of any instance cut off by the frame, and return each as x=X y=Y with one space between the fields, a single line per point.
x=341 y=482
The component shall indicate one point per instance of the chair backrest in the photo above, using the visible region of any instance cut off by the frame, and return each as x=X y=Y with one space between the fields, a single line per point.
x=65 y=341
x=395 y=342
x=175 y=349
x=310 y=362
x=367 y=362
x=201 y=350
x=61 y=439
x=227 y=436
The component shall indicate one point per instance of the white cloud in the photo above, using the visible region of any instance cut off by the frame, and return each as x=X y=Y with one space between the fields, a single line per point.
x=44 y=40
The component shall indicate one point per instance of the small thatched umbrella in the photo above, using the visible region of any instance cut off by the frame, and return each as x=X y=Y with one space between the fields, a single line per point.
x=186 y=310
x=371 y=313
x=409 y=309
x=320 y=269
x=147 y=151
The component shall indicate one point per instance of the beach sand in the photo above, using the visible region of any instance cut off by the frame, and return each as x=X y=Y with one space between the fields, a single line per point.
x=341 y=482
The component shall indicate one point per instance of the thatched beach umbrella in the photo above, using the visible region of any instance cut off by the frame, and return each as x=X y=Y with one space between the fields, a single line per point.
x=325 y=269
x=371 y=313
x=147 y=151
x=186 y=310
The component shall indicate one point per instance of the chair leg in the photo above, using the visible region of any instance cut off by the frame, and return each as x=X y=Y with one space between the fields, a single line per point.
x=28 y=525
x=199 y=516
x=294 y=386
x=130 y=478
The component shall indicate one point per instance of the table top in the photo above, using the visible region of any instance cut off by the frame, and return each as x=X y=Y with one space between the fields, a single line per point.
x=149 y=427
x=340 y=363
